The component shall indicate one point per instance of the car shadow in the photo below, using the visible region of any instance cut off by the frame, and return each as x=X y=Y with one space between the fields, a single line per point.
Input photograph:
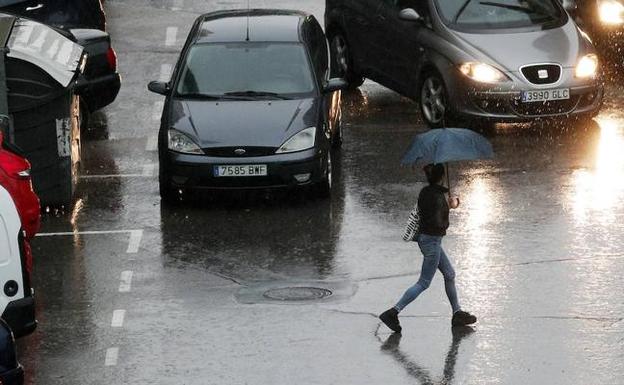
x=391 y=346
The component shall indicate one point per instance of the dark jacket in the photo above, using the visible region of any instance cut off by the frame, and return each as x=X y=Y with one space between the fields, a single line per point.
x=434 y=210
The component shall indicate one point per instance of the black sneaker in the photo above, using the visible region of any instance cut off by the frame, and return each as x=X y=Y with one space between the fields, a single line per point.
x=463 y=318
x=391 y=318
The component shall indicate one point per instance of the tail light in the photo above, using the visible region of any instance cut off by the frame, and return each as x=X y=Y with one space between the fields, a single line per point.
x=11 y=162
x=111 y=56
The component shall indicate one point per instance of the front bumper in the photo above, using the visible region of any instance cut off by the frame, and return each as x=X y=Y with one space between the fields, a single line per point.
x=20 y=316
x=13 y=377
x=197 y=171
x=503 y=103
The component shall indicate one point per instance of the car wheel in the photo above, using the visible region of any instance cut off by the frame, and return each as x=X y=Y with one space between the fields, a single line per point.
x=325 y=186
x=342 y=62
x=433 y=101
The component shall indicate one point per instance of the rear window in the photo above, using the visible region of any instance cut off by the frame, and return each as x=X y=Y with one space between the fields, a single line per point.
x=501 y=14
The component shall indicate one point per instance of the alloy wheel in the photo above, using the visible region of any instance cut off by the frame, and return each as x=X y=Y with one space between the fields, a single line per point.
x=433 y=100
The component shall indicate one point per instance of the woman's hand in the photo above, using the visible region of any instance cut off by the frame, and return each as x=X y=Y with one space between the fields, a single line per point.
x=453 y=202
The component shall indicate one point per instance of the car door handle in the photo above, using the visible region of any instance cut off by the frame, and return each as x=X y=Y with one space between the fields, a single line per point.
x=36 y=7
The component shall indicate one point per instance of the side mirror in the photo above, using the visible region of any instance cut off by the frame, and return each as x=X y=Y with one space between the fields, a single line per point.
x=335 y=84
x=161 y=88
x=409 y=14
x=569 y=5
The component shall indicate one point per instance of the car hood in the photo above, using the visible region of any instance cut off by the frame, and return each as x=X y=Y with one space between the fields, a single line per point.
x=262 y=123
x=510 y=51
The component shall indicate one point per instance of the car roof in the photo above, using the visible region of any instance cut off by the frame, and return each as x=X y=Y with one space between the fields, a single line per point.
x=264 y=25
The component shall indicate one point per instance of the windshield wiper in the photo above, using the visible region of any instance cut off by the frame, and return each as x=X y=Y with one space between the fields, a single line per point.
x=200 y=96
x=509 y=6
x=461 y=10
x=255 y=94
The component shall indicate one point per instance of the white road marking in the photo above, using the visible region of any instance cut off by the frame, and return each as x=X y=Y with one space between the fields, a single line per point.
x=135 y=241
x=171 y=36
x=157 y=111
x=108 y=176
x=151 y=144
x=112 y=354
x=177 y=5
x=118 y=318
x=126 y=281
x=165 y=72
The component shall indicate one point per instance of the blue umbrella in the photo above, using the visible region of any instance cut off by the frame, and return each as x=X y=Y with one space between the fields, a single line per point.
x=443 y=145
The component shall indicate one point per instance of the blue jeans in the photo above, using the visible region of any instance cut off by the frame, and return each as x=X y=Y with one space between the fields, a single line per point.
x=434 y=258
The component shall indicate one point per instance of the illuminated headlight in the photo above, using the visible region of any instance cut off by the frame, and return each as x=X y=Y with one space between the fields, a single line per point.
x=611 y=12
x=180 y=142
x=587 y=66
x=302 y=140
x=483 y=73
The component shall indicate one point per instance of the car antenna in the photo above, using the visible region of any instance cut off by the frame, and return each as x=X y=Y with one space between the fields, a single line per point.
x=248 y=11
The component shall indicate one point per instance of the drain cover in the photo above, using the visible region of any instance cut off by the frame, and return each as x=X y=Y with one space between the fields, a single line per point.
x=297 y=293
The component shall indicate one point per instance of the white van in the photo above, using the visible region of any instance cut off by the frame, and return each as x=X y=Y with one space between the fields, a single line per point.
x=17 y=304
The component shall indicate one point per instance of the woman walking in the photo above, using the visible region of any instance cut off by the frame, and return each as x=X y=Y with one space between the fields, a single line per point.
x=433 y=206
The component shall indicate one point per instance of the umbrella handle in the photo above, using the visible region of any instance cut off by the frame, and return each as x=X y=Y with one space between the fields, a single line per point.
x=448 y=178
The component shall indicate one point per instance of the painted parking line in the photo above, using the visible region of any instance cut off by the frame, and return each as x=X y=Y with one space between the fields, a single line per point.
x=118 y=318
x=165 y=72
x=151 y=144
x=125 y=283
x=171 y=36
x=112 y=354
x=147 y=172
x=157 y=109
x=134 y=242
x=177 y=5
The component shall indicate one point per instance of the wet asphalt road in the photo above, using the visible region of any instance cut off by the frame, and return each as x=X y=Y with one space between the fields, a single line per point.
x=132 y=293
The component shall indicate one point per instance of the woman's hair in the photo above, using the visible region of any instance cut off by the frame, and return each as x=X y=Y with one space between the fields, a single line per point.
x=434 y=173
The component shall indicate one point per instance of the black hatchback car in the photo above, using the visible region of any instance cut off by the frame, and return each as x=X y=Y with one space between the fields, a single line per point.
x=250 y=105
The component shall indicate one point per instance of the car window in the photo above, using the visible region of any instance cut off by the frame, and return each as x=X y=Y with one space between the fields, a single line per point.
x=216 y=69
x=501 y=14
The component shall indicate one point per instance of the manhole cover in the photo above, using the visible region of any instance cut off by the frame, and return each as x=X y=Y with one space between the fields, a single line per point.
x=297 y=293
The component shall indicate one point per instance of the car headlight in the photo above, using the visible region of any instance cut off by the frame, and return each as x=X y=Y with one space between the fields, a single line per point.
x=481 y=72
x=587 y=66
x=180 y=142
x=611 y=11
x=302 y=140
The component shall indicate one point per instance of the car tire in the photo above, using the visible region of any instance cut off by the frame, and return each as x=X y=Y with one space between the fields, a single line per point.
x=324 y=188
x=168 y=195
x=433 y=101
x=342 y=61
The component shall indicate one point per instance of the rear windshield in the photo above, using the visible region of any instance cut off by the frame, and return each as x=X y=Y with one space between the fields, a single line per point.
x=501 y=14
x=218 y=69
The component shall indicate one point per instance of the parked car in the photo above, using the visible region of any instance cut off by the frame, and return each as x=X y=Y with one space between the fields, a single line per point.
x=472 y=62
x=20 y=216
x=250 y=105
x=84 y=22
x=11 y=372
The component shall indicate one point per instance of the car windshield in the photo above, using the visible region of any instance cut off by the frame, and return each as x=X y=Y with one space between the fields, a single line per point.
x=250 y=70
x=500 y=14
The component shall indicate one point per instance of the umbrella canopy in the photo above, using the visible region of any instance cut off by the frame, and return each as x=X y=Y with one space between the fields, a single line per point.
x=444 y=145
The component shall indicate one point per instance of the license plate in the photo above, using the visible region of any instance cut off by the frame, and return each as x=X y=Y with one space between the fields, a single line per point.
x=545 y=95
x=241 y=170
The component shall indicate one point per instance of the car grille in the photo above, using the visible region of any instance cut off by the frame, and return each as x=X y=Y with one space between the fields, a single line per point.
x=553 y=107
x=542 y=73
x=230 y=152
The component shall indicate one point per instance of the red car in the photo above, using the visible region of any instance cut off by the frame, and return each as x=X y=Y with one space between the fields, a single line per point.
x=16 y=301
